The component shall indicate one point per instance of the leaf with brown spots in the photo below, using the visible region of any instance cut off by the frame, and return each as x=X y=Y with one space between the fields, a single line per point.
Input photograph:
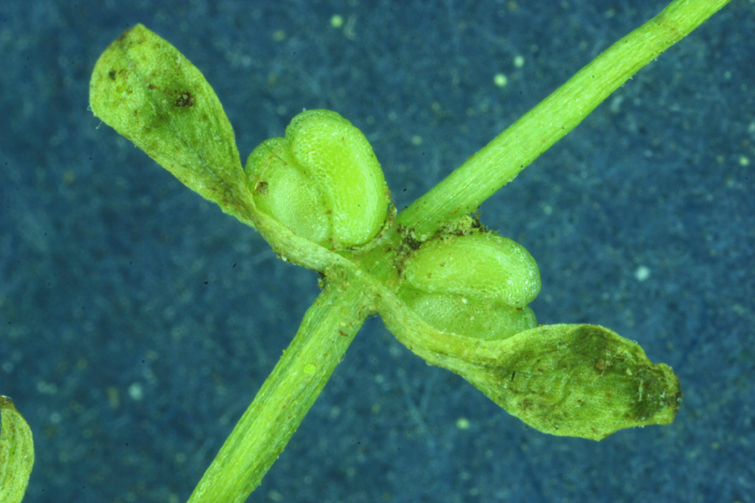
x=151 y=94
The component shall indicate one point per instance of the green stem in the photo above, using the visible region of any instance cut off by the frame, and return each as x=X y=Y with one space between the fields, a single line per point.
x=285 y=397
x=464 y=190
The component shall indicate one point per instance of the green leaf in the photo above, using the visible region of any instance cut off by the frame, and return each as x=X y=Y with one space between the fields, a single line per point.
x=16 y=453
x=151 y=94
x=577 y=380
x=568 y=380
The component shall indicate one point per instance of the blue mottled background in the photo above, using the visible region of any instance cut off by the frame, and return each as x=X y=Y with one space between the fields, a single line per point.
x=137 y=321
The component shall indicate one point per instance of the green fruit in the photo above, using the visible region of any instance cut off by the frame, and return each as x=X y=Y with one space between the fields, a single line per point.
x=481 y=318
x=477 y=285
x=322 y=181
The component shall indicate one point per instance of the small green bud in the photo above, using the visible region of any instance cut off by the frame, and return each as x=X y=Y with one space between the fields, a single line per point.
x=322 y=181
x=477 y=285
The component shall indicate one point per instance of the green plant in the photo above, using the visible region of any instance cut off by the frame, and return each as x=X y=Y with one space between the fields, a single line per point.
x=147 y=91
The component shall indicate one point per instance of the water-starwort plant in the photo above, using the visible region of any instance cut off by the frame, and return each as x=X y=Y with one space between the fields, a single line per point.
x=452 y=291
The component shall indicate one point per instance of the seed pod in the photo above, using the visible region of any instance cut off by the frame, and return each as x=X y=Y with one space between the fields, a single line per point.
x=476 y=285
x=322 y=181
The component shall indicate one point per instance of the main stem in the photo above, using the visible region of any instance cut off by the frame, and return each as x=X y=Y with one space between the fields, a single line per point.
x=464 y=190
x=285 y=397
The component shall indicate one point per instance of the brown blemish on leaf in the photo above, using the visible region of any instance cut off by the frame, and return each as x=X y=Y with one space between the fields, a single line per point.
x=186 y=100
x=261 y=188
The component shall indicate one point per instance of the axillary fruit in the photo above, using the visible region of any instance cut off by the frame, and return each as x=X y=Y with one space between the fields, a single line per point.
x=476 y=284
x=322 y=181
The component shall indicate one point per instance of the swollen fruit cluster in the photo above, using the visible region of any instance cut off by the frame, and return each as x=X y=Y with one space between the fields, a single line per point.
x=476 y=284
x=322 y=181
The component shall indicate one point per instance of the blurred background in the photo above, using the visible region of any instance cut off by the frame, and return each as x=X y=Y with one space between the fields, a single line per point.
x=137 y=321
